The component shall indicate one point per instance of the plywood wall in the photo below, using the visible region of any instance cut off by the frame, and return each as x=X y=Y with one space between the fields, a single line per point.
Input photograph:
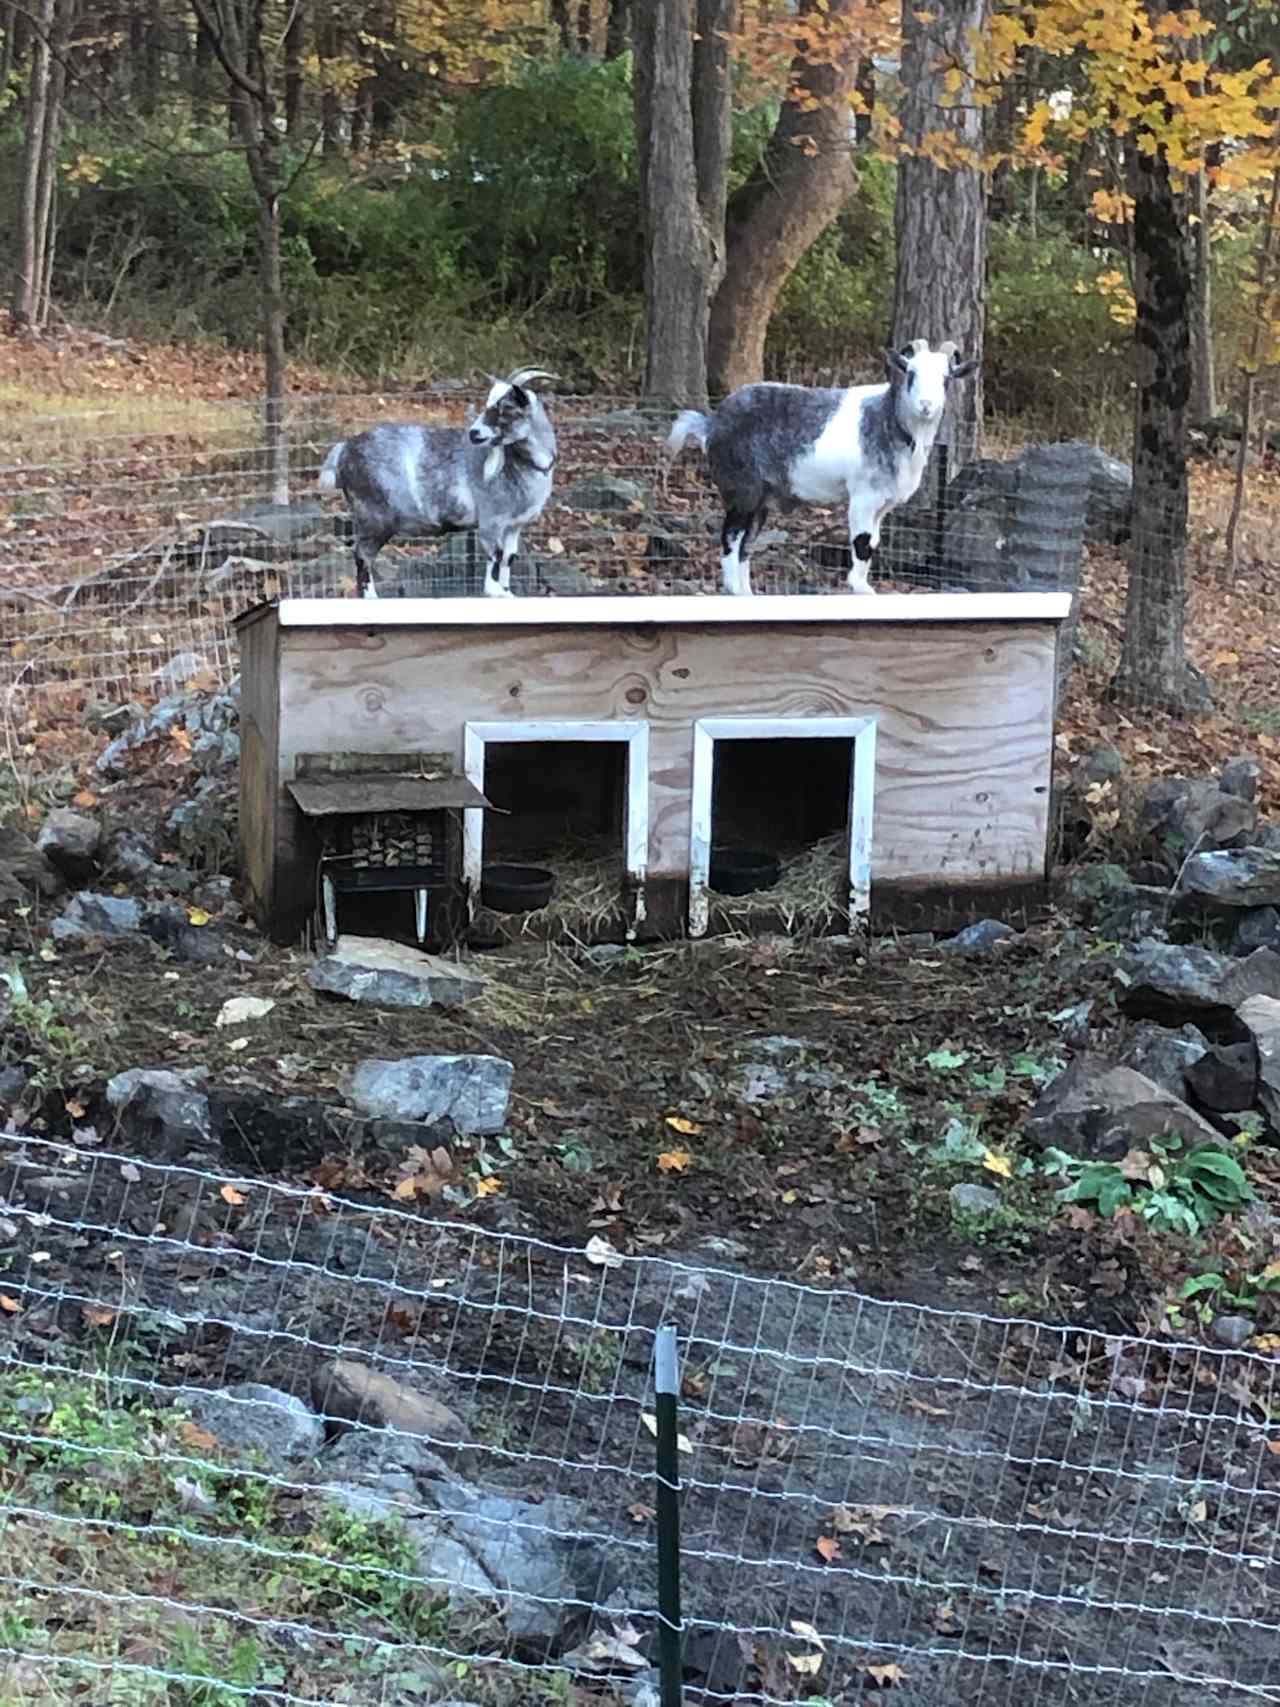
x=964 y=710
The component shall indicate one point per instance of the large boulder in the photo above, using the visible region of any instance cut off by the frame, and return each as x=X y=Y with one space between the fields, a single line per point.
x=172 y=1104
x=257 y=1422
x=1099 y=1110
x=25 y=870
x=71 y=840
x=1165 y=1056
x=1165 y=980
x=470 y=1090
x=1178 y=814
x=392 y=975
x=1260 y=1015
x=1234 y=877
x=349 y=1391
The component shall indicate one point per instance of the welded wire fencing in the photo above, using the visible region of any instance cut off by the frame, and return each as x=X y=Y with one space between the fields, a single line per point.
x=126 y=550
x=262 y=1443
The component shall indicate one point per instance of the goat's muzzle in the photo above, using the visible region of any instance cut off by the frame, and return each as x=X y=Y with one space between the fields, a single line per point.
x=479 y=436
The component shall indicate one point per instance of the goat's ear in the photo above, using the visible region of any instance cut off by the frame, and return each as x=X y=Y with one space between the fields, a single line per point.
x=962 y=370
x=519 y=396
x=895 y=364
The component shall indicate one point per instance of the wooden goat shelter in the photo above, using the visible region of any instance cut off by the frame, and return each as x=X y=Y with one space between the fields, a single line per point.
x=891 y=755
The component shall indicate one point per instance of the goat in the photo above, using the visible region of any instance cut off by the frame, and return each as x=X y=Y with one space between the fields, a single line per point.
x=494 y=476
x=785 y=445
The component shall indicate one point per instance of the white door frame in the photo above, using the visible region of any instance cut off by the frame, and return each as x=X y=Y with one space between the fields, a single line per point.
x=862 y=777
x=635 y=737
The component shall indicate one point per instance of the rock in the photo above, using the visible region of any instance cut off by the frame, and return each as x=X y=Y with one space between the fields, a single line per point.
x=469 y=1090
x=372 y=1472
x=71 y=842
x=1163 y=979
x=757 y=1081
x=969 y=1199
x=1240 y=776
x=530 y=1553
x=241 y=1010
x=1120 y=908
x=1256 y=927
x=392 y=975
x=605 y=493
x=179 y=670
x=13 y=1079
x=1225 y=1078
x=1180 y=813
x=1260 y=1015
x=252 y=1420
x=981 y=937
x=354 y=1393
x=1232 y=1331
x=1164 y=1056
x=1104 y=764
x=1268 y=836
x=1098 y=1110
x=172 y=1101
x=88 y=915
x=1234 y=877
x=25 y=869
x=780 y=1047
x=564 y=579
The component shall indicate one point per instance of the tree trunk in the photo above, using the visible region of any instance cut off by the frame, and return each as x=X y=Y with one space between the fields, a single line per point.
x=295 y=42
x=940 y=214
x=7 y=17
x=560 y=21
x=803 y=180
x=681 y=253
x=1259 y=336
x=1154 y=672
x=202 y=76
x=27 y=271
x=618 y=29
x=237 y=36
x=47 y=173
x=584 y=27
x=151 y=58
x=1204 y=389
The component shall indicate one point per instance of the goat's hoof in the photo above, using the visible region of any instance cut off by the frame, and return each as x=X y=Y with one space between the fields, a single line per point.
x=493 y=591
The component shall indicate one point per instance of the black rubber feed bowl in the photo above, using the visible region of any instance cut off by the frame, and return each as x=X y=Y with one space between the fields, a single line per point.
x=516 y=888
x=741 y=871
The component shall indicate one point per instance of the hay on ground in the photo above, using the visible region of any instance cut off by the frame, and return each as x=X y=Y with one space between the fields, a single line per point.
x=810 y=896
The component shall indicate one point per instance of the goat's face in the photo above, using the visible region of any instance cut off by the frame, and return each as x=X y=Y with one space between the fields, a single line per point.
x=923 y=376
x=505 y=418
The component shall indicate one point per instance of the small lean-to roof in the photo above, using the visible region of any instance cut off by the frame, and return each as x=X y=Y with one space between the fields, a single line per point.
x=326 y=796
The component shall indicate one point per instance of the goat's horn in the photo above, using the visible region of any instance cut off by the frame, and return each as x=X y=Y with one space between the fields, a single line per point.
x=522 y=376
x=950 y=348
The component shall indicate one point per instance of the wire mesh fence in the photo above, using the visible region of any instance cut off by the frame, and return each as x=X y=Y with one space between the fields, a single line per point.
x=440 y=1483
x=123 y=547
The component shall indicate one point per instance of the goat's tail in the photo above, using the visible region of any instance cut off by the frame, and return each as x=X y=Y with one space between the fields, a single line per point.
x=689 y=424
x=328 y=476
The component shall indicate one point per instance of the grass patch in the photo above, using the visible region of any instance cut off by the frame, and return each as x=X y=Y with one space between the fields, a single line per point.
x=142 y=1568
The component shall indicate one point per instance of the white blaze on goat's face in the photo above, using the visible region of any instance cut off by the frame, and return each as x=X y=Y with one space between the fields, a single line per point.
x=925 y=383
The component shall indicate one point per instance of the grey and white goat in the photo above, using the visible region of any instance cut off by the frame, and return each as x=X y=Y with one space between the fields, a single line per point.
x=494 y=476
x=784 y=445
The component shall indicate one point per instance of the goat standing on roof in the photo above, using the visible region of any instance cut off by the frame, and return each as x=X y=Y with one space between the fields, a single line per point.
x=785 y=445
x=494 y=476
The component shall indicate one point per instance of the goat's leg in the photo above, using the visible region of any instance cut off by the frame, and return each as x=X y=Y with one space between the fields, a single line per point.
x=737 y=525
x=498 y=567
x=508 y=558
x=366 y=546
x=755 y=527
x=864 y=537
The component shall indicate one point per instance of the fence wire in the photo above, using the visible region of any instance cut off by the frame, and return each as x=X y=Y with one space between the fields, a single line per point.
x=441 y=1483
x=126 y=551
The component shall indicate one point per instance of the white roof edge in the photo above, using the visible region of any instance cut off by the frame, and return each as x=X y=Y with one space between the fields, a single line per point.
x=675 y=610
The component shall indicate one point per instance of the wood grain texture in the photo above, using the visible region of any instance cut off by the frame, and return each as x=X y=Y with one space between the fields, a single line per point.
x=964 y=715
x=259 y=753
